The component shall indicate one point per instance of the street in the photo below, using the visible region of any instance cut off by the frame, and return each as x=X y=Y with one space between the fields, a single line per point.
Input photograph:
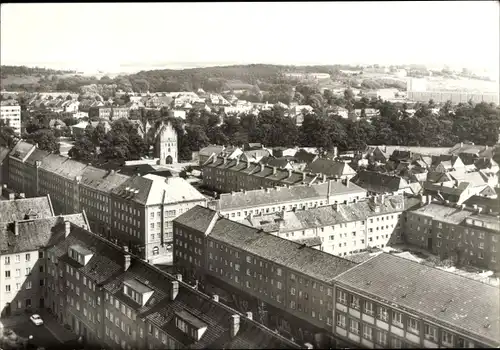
x=41 y=335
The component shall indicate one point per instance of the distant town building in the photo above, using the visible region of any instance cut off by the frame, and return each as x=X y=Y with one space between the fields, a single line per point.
x=10 y=114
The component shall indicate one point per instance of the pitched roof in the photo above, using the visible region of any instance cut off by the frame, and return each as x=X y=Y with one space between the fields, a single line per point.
x=449 y=299
x=378 y=182
x=198 y=217
x=18 y=209
x=303 y=156
x=277 y=162
x=35 y=234
x=306 y=260
x=485 y=203
x=330 y=215
x=481 y=151
x=107 y=269
x=272 y=196
x=153 y=189
x=444 y=213
x=329 y=167
x=21 y=150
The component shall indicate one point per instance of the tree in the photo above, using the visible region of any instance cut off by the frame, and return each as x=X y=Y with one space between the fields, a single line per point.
x=69 y=98
x=45 y=139
x=348 y=94
x=7 y=135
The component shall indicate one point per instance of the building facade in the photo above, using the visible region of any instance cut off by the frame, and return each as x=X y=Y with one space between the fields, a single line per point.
x=10 y=114
x=23 y=269
x=467 y=235
x=385 y=302
x=114 y=299
x=106 y=197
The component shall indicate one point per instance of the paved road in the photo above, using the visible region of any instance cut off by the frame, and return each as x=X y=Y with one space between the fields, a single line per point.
x=41 y=335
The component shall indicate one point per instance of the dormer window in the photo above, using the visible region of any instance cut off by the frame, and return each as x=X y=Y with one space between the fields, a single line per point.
x=137 y=291
x=190 y=324
x=80 y=254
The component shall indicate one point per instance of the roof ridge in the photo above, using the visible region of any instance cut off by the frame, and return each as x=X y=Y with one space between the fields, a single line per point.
x=187 y=286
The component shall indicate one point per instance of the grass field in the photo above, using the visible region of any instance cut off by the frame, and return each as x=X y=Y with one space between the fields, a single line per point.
x=15 y=79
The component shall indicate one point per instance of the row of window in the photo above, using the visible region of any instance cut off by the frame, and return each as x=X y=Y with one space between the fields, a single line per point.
x=17 y=258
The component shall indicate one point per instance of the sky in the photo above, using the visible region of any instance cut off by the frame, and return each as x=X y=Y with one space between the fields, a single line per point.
x=114 y=36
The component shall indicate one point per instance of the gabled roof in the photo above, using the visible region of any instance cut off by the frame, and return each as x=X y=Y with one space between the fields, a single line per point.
x=36 y=234
x=17 y=209
x=449 y=299
x=107 y=269
x=378 y=182
x=198 y=218
x=481 y=151
x=273 y=161
x=329 y=167
x=304 y=157
x=21 y=150
x=153 y=189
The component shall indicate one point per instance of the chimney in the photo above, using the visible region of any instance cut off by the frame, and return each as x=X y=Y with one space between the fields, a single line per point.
x=12 y=196
x=324 y=178
x=261 y=167
x=474 y=206
x=175 y=290
x=423 y=199
x=335 y=206
x=16 y=228
x=308 y=346
x=303 y=176
x=179 y=277
x=268 y=190
x=250 y=315
x=84 y=227
x=237 y=160
x=235 y=325
x=462 y=206
x=479 y=210
x=289 y=173
x=274 y=170
x=429 y=199
x=215 y=297
x=67 y=228
x=347 y=182
x=461 y=144
x=22 y=195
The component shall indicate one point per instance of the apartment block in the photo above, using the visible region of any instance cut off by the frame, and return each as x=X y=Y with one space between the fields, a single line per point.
x=225 y=175
x=109 y=113
x=115 y=299
x=27 y=229
x=239 y=205
x=118 y=206
x=392 y=302
x=467 y=235
x=281 y=274
x=341 y=229
x=10 y=115
x=384 y=302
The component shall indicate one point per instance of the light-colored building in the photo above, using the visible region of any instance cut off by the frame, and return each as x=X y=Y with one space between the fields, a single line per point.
x=341 y=229
x=143 y=208
x=107 y=197
x=10 y=114
x=467 y=235
x=240 y=205
x=391 y=302
x=113 y=299
x=27 y=228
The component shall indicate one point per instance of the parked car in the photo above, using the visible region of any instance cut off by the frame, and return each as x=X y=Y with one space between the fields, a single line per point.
x=36 y=319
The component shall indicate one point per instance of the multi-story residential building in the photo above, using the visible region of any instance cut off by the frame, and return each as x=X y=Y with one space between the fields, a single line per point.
x=225 y=175
x=378 y=183
x=239 y=205
x=465 y=234
x=10 y=114
x=106 y=197
x=290 y=281
x=109 y=113
x=330 y=168
x=24 y=239
x=342 y=229
x=143 y=209
x=384 y=302
x=392 y=302
x=115 y=299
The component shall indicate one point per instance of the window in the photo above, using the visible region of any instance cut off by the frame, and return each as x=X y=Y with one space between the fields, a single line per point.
x=18 y=258
x=382 y=313
x=342 y=297
x=397 y=319
x=367 y=332
x=396 y=343
x=446 y=338
x=430 y=332
x=341 y=320
x=28 y=270
x=413 y=325
x=7 y=274
x=354 y=327
x=28 y=285
x=381 y=338
x=354 y=302
x=292 y=291
x=463 y=343
x=7 y=288
x=28 y=257
x=369 y=308
x=156 y=250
